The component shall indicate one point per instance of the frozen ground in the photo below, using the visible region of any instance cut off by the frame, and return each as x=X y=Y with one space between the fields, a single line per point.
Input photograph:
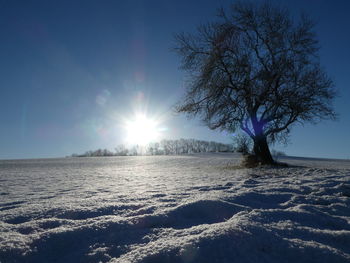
x=173 y=209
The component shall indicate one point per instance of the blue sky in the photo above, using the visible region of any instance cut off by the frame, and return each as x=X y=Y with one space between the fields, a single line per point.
x=72 y=71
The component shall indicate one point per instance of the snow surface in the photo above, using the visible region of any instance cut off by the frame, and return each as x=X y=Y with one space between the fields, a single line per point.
x=199 y=208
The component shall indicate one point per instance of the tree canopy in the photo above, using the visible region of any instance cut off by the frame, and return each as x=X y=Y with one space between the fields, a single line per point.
x=256 y=69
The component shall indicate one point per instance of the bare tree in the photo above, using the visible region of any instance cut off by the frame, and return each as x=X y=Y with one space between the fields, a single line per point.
x=242 y=143
x=257 y=70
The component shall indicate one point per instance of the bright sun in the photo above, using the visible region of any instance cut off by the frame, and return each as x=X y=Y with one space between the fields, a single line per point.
x=141 y=130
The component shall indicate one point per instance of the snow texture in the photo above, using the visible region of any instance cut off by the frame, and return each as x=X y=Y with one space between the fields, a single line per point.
x=198 y=208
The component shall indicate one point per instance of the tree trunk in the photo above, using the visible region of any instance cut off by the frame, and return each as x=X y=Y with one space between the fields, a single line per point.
x=262 y=151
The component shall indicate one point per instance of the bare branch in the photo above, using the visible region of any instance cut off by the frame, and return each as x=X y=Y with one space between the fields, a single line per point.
x=256 y=70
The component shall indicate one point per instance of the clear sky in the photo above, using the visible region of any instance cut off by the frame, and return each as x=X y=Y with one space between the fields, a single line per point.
x=72 y=72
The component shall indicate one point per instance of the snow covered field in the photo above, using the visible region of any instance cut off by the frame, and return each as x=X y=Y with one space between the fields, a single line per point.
x=197 y=208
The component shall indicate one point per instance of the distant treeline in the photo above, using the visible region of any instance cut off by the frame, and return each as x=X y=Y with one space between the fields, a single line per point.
x=165 y=147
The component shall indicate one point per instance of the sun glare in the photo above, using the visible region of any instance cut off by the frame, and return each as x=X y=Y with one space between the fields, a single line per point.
x=141 y=130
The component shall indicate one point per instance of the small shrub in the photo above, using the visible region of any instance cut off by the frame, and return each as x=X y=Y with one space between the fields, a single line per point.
x=242 y=144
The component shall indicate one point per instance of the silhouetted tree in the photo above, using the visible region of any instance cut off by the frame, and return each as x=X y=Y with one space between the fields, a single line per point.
x=165 y=147
x=242 y=143
x=121 y=150
x=256 y=70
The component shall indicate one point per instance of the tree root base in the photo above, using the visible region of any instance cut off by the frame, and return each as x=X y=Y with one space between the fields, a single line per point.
x=252 y=161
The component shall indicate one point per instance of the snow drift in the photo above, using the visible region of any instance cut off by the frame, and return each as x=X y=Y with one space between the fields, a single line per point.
x=197 y=208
